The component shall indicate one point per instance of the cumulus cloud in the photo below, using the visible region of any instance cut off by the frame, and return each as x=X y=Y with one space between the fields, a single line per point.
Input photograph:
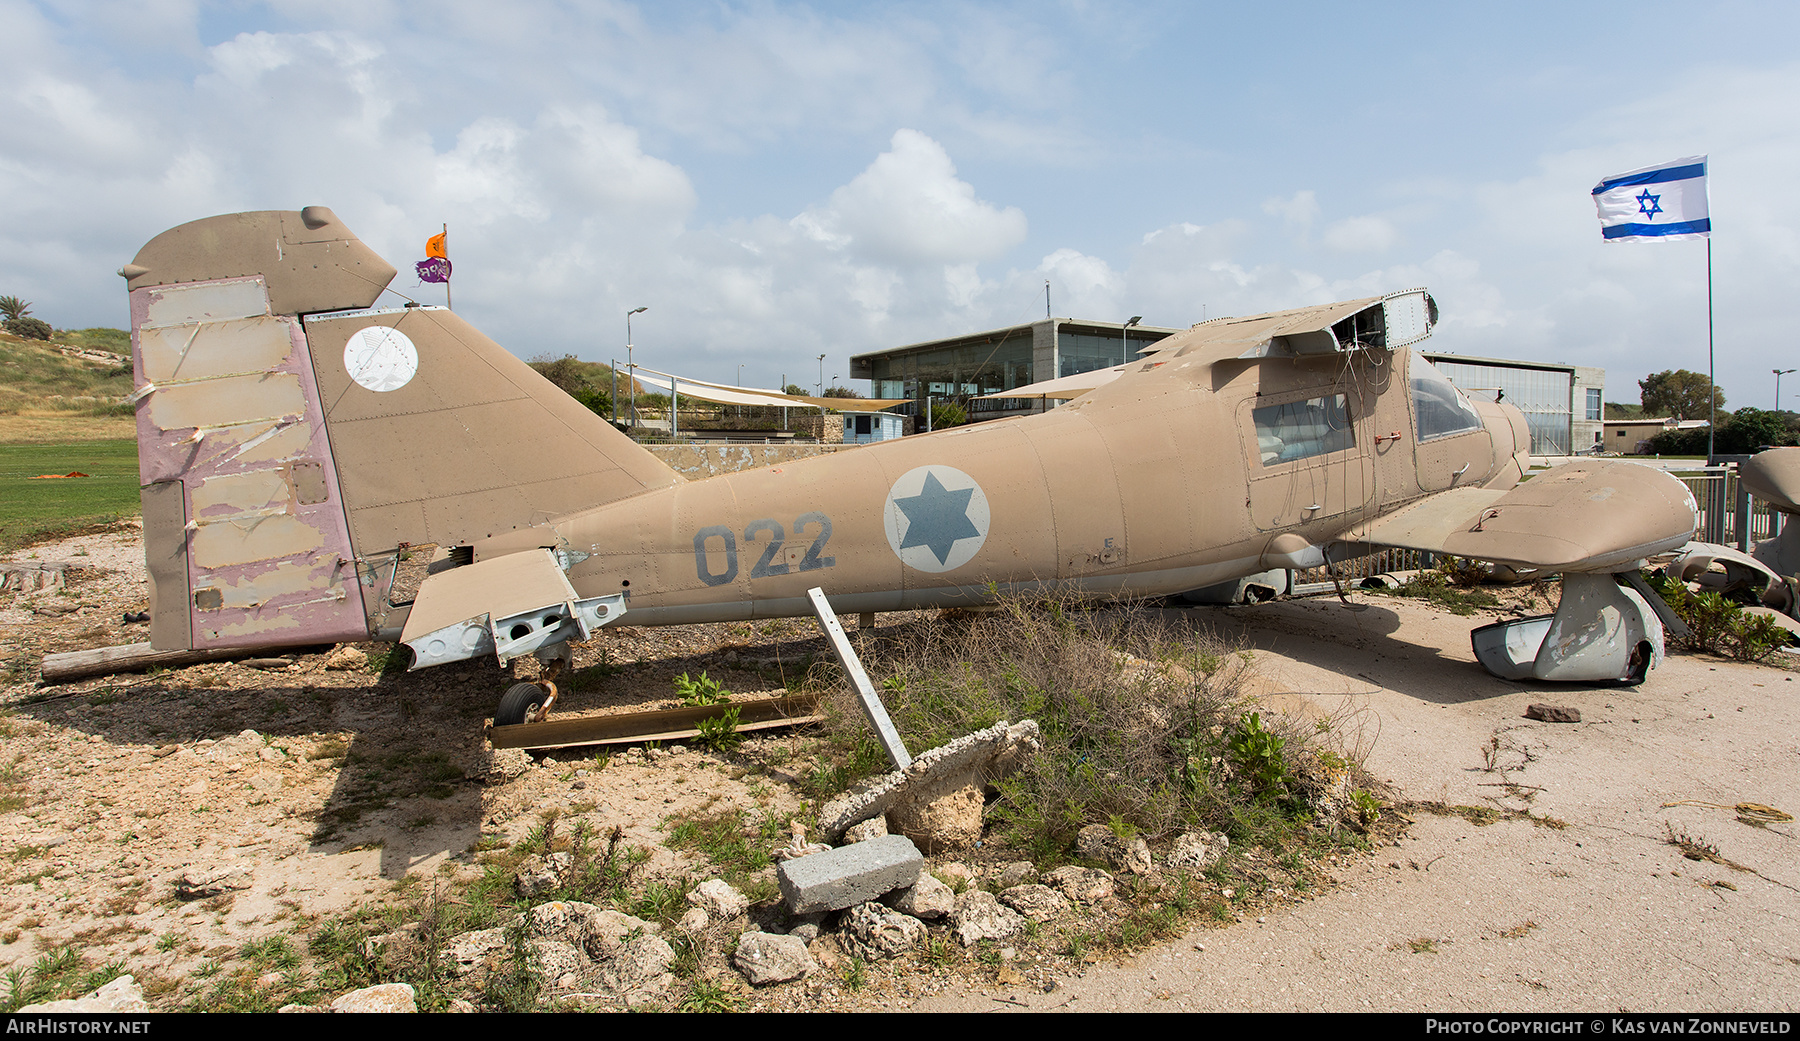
x=910 y=208
x=1298 y=211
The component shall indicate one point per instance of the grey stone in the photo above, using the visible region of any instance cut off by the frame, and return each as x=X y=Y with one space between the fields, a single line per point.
x=874 y=827
x=383 y=997
x=121 y=995
x=766 y=958
x=806 y=929
x=873 y=932
x=1553 y=713
x=943 y=814
x=718 y=899
x=926 y=898
x=467 y=952
x=849 y=875
x=539 y=874
x=345 y=659
x=1015 y=873
x=632 y=962
x=1098 y=842
x=1039 y=903
x=694 y=921
x=1084 y=884
x=560 y=963
x=1198 y=850
x=979 y=915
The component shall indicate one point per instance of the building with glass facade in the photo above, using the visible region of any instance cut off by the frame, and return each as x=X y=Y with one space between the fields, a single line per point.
x=1562 y=403
x=965 y=367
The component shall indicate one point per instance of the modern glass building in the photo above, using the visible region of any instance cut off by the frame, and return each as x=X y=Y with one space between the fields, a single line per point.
x=1562 y=403
x=964 y=367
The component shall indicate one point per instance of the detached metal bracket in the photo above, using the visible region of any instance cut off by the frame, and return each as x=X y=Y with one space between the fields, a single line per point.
x=873 y=710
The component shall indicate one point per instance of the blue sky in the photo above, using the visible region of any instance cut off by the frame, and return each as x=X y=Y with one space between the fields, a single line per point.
x=776 y=181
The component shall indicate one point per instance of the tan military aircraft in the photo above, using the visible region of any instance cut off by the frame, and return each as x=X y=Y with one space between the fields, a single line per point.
x=295 y=444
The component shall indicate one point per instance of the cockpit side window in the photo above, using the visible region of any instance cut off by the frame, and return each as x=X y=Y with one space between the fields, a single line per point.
x=1439 y=409
x=1301 y=429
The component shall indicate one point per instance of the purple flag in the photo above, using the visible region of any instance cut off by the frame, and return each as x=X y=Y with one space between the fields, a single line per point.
x=435 y=269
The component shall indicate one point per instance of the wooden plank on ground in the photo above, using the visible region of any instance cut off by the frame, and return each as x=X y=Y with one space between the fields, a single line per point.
x=666 y=724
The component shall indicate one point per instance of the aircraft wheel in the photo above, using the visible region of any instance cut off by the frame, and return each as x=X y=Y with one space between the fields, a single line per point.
x=520 y=702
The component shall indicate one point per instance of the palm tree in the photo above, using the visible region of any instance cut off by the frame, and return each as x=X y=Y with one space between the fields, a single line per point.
x=12 y=308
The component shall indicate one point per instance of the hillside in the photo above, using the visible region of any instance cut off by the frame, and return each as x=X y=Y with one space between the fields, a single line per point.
x=72 y=388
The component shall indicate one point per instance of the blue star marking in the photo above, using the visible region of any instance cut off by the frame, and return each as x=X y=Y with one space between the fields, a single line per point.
x=937 y=517
x=1649 y=205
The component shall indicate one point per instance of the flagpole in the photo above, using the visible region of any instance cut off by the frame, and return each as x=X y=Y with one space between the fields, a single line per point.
x=1712 y=393
x=451 y=307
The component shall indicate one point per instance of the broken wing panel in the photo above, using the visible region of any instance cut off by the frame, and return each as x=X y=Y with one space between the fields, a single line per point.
x=509 y=606
x=1581 y=516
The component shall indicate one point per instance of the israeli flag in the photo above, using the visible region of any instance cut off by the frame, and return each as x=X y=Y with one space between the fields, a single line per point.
x=1657 y=202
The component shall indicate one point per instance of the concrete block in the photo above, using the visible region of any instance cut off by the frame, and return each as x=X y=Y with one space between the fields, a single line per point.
x=849 y=875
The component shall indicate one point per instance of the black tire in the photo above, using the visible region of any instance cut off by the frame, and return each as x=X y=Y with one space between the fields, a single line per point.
x=519 y=703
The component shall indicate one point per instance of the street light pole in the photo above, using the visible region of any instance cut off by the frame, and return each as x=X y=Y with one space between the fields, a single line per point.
x=631 y=365
x=1125 y=339
x=819 y=387
x=1778 y=374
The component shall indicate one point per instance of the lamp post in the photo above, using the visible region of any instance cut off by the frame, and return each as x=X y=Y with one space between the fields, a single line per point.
x=819 y=387
x=1125 y=338
x=1778 y=374
x=631 y=365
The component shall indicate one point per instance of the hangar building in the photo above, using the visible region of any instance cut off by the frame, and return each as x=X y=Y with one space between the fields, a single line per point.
x=1562 y=403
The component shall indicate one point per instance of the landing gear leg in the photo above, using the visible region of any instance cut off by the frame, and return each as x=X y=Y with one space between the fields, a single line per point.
x=530 y=702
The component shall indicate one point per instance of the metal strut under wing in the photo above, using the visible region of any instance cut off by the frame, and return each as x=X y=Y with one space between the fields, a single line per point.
x=1595 y=523
x=511 y=606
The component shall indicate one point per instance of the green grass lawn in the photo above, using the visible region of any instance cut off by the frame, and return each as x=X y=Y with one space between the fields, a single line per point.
x=31 y=508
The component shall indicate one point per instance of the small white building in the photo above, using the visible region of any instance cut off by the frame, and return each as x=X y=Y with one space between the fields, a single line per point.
x=864 y=428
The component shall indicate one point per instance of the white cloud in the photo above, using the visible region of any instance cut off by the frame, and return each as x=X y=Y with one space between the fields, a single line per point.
x=1297 y=211
x=909 y=208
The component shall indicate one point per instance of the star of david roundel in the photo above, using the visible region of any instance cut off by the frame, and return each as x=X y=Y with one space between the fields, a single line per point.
x=381 y=358
x=936 y=518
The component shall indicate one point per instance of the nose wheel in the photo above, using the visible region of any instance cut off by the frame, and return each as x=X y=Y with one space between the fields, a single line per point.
x=529 y=702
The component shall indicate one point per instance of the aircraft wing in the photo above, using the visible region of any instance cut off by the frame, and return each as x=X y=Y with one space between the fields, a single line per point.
x=1586 y=516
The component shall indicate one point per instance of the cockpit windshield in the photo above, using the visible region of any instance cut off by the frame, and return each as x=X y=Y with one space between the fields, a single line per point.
x=1439 y=408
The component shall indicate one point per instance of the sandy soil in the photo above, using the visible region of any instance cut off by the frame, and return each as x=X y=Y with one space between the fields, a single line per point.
x=114 y=790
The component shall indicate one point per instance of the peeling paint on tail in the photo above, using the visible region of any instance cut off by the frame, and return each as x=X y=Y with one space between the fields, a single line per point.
x=243 y=519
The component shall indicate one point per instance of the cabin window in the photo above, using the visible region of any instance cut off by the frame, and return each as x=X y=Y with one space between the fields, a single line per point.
x=1302 y=429
x=1439 y=410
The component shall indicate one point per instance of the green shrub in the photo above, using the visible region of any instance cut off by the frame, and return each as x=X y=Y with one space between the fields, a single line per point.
x=1718 y=626
x=29 y=328
x=699 y=693
x=1136 y=718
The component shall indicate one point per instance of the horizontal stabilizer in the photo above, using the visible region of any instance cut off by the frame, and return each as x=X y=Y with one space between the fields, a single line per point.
x=1578 y=517
x=509 y=606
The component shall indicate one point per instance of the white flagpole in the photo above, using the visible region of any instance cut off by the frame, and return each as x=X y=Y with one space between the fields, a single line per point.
x=447 y=304
x=1712 y=394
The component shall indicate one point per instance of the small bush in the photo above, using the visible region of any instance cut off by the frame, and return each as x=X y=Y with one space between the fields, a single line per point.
x=29 y=328
x=1138 y=721
x=699 y=693
x=1718 y=626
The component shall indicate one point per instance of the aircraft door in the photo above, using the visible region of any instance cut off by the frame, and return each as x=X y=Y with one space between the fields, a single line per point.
x=1306 y=461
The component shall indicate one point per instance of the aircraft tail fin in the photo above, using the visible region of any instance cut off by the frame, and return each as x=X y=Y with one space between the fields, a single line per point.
x=292 y=444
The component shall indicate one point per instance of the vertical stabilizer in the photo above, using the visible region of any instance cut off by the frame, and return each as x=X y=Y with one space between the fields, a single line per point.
x=293 y=444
